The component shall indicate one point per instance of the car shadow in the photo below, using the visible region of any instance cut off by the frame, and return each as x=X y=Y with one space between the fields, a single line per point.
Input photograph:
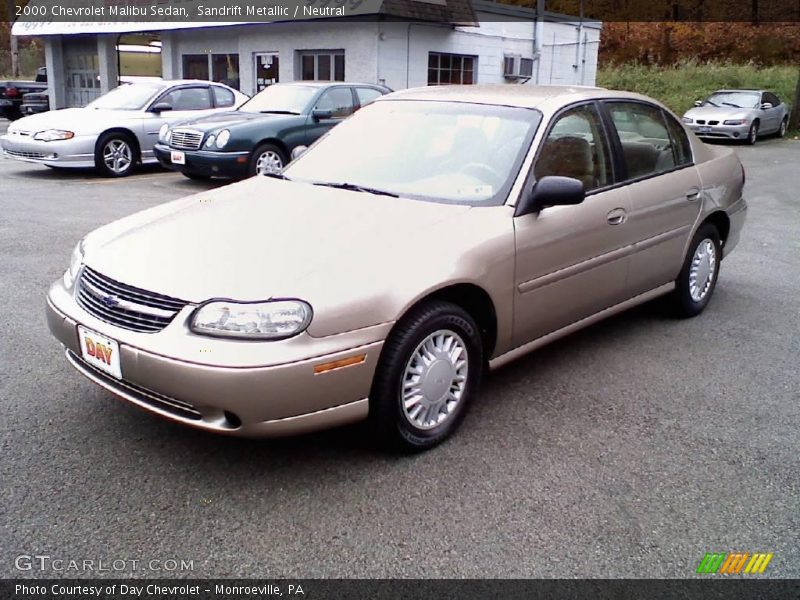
x=45 y=173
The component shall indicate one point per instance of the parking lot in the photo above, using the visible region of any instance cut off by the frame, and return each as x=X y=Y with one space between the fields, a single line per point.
x=629 y=449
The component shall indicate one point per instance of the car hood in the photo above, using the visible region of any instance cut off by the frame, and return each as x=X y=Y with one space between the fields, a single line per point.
x=229 y=119
x=79 y=120
x=266 y=238
x=718 y=113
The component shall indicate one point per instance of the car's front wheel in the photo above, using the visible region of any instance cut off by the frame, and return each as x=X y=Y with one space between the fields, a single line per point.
x=267 y=159
x=429 y=370
x=752 y=134
x=698 y=277
x=115 y=155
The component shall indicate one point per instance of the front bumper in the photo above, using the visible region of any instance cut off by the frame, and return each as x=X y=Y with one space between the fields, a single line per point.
x=720 y=132
x=277 y=398
x=77 y=152
x=234 y=165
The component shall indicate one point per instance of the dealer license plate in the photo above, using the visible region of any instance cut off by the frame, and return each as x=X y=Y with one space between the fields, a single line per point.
x=100 y=351
x=177 y=157
x=705 y=129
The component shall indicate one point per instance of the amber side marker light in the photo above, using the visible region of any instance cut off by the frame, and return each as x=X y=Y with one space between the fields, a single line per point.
x=339 y=364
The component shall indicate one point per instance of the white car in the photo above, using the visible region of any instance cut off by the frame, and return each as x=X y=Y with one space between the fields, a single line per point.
x=117 y=131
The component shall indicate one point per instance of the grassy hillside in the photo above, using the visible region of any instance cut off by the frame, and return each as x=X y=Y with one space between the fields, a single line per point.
x=679 y=86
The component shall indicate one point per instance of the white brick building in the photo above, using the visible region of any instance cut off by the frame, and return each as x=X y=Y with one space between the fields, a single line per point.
x=502 y=47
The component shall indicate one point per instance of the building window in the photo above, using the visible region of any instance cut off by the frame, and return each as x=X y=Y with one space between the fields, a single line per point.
x=323 y=65
x=448 y=69
x=222 y=68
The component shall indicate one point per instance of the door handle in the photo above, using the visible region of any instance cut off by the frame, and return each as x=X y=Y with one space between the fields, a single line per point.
x=693 y=194
x=617 y=216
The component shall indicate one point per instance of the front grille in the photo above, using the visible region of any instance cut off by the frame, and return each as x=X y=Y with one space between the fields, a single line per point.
x=20 y=154
x=186 y=139
x=701 y=121
x=713 y=122
x=124 y=305
x=137 y=392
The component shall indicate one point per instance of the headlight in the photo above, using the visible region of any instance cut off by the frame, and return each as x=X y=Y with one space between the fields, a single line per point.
x=252 y=320
x=222 y=138
x=688 y=120
x=51 y=135
x=735 y=122
x=75 y=262
x=163 y=132
x=210 y=141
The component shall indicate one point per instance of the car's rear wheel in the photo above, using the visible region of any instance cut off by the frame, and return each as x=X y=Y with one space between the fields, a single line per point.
x=267 y=159
x=752 y=134
x=429 y=370
x=784 y=126
x=698 y=278
x=116 y=155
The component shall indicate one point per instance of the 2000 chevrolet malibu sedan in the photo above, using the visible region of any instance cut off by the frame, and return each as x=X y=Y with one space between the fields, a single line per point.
x=438 y=232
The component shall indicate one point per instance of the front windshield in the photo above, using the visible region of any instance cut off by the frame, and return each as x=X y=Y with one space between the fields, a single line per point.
x=288 y=99
x=131 y=96
x=442 y=151
x=734 y=99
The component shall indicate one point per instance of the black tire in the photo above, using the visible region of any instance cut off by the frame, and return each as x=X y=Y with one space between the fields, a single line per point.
x=782 y=129
x=100 y=149
x=391 y=426
x=752 y=134
x=263 y=149
x=682 y=302
x=196 y=176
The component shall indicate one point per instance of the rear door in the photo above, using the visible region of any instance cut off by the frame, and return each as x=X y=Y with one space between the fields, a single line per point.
x=664 y=187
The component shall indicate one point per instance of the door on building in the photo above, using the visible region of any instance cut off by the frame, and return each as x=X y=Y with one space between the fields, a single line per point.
x=82 y=67
x=266 y=65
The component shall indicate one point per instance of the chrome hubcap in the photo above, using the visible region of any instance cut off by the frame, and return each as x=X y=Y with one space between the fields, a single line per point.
x=702 y=270
x=269 y=162
x=435 y=379
x=117 y=156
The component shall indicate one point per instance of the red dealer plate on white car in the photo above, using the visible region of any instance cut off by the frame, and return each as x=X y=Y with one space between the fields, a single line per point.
x=100 y=352
x=177 y=157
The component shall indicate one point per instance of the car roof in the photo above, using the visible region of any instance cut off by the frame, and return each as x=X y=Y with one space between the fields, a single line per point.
x=524 y=96
x=739 y=90
x=319 y=84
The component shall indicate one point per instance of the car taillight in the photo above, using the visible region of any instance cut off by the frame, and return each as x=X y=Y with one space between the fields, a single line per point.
x=12 y=92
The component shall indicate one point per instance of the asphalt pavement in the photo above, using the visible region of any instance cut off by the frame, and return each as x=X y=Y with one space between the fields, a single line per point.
x=629 y=449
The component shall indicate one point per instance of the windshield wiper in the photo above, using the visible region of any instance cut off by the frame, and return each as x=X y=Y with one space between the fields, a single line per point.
x=711 y=103
x=278 y=112
x=733 y=105
x=356 y=188
x=277 y=176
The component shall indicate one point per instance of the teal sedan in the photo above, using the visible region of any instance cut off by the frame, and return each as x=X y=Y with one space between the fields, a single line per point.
x=259 y=137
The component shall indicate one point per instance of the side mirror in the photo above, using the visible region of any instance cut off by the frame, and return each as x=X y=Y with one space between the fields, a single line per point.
x=698 y=103
x=320 y=115
x=766 y=105
x=298 y=151
x=551 y=191
x=161 y=107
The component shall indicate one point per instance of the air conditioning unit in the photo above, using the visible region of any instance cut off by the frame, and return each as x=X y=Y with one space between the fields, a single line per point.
x=515 y=66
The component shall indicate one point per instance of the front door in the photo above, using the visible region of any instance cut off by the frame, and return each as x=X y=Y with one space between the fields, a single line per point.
x=337 y=103
x=267 y=69
x=187 y=102
x=572 y=261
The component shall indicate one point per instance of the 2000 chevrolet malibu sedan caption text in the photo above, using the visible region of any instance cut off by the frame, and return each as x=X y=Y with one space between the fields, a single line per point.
x=435 y=233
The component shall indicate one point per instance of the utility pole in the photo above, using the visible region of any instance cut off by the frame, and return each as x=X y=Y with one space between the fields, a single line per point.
x=14 y=43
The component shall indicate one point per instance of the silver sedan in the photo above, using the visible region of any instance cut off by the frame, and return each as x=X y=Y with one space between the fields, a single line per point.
x=738 y=115
x=116 y=131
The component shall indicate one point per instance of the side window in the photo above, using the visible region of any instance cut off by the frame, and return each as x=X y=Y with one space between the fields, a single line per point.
x=223 y=97
x=576 y=147
x=772 y=99
x=646 y=143
x=680 y=141
x=337 y=100
x=195 y=98
x=367 y=95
